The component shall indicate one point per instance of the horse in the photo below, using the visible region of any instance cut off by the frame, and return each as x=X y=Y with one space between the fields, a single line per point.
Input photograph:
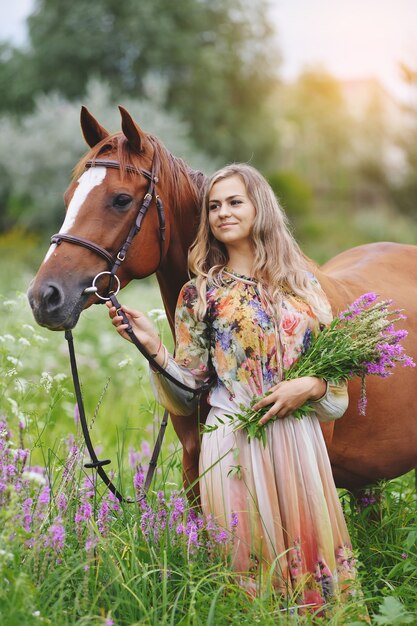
x=103 y=200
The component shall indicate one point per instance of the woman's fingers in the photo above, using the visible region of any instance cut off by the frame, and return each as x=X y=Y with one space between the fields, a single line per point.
x=273 y=412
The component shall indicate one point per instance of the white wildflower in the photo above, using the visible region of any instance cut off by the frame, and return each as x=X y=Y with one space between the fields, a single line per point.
x=23 y=341
x=28 y=327
x=46 y=381
x=34 y=477
x=124 y=363
x=14 y=361
x=60 y=377
x=9 y=303
x=40 y=339
x=158 y=315
x=14 y=406
x=21 y=384
x=7 y=556
x=9 y=337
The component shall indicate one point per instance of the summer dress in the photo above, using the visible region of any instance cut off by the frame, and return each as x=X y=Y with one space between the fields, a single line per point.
x=289 y=518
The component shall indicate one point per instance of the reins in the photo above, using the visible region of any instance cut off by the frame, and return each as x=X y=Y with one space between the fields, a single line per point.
x=113 y=289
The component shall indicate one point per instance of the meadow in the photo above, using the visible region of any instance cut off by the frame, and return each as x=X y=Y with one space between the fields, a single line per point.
x=71 y=554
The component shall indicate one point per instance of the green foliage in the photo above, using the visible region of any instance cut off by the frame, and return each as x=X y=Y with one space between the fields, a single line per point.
x=216 y=58
x=393 y=613
x=315 y=138
x=295 y=194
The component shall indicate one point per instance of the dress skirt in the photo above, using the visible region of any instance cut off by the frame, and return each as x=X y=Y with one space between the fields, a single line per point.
x=280 y=505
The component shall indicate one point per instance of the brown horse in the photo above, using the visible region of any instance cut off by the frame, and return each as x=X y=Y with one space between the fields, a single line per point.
x=103 y=201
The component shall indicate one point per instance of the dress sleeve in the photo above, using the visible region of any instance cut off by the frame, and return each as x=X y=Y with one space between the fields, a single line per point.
x=335 y=401
x=333 y=404
x=191 y=364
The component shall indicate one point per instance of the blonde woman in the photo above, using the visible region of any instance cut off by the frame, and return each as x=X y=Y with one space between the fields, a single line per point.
x=245 y=316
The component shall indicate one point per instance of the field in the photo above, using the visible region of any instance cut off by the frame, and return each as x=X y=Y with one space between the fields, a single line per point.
x=70 y=554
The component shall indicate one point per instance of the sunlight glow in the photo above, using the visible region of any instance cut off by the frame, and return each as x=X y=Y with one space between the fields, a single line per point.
x=351 y=39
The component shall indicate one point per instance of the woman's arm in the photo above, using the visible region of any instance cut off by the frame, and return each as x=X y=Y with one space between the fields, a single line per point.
x=191 y=363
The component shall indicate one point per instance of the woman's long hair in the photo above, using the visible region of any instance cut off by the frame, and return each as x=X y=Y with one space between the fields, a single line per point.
x=279 y=264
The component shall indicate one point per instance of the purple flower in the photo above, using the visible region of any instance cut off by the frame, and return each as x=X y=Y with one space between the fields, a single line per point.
x=27 y=514
x=84 y=513
x=90 y=543
x=44 y=496
x=56 y=536
x=234 y=520
x=139 y=478
x=221 y=536
x=61 y=502
x=192 y=533
x=361 y=303
x=103 y=518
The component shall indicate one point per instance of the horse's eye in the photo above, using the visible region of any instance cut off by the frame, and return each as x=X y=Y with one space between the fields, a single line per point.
x=122 y=200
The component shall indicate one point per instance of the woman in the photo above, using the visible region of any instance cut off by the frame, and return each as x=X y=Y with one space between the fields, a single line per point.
x=246 y=316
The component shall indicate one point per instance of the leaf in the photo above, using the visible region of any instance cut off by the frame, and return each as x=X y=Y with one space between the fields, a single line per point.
x=206 y=428
x=393 y=613
x=235 y=470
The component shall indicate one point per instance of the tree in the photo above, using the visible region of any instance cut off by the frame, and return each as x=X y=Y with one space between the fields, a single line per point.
x=216 y=58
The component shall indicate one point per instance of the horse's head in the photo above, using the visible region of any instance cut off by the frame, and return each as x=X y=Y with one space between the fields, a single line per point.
x=115 y=221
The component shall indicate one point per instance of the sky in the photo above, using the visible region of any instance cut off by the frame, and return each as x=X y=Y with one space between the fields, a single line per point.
x=350 y=38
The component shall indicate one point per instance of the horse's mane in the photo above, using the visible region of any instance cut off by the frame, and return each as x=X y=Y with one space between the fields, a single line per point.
x=181 y=182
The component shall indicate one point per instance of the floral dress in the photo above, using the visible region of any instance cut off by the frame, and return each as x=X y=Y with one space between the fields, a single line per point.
x=289 y=519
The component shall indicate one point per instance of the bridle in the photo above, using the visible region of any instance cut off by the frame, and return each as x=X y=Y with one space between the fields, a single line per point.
x=114 y=262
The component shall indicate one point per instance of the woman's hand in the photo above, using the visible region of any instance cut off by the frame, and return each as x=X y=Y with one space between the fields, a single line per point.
x=142 y=327
x=289 y=395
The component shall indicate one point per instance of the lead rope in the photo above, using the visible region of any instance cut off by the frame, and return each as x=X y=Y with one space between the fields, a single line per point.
x=95 y=463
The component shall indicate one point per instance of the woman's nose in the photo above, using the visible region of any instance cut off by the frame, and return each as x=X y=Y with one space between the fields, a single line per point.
x=224 y=210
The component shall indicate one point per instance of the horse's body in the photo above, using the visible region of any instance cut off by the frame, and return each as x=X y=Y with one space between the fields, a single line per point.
x=383 y=444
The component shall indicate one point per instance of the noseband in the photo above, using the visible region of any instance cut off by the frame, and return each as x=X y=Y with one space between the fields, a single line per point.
x=114 y=261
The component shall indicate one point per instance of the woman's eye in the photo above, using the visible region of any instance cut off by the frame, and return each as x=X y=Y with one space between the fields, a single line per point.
x=234 y=202
x=213 y=206
x=122 y=200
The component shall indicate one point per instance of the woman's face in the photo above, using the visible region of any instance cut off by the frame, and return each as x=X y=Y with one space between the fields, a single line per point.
x=231 y=212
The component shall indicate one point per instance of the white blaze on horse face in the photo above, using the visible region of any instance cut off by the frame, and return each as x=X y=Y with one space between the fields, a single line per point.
x=86 y=183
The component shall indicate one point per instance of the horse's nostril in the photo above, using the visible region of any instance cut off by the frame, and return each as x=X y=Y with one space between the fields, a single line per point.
x=52 y=298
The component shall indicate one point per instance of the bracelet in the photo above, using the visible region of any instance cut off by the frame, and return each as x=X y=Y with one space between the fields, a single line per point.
x=159 y=347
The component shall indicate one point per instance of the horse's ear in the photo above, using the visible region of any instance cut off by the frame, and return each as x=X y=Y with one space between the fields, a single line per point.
x=131 y=130
x=93 y=132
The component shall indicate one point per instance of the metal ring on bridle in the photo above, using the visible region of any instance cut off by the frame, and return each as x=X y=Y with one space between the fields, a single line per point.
x=113 y=292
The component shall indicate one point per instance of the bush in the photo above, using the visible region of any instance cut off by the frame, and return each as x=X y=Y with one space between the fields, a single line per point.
x=294 y=193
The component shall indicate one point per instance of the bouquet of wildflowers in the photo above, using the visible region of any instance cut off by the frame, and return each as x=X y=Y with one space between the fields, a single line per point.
x=361 y=341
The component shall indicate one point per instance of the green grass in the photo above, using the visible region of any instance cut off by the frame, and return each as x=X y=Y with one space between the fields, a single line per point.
x=126 y=576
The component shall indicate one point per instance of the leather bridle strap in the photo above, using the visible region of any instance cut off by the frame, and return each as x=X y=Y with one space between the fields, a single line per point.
x=114 y=261
x=85 y=243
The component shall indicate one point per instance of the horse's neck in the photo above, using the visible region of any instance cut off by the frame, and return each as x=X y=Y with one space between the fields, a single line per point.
x=173 y=273
x=337 y=292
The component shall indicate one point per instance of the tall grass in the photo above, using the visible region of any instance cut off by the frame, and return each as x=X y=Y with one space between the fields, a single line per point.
x=71 y=554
